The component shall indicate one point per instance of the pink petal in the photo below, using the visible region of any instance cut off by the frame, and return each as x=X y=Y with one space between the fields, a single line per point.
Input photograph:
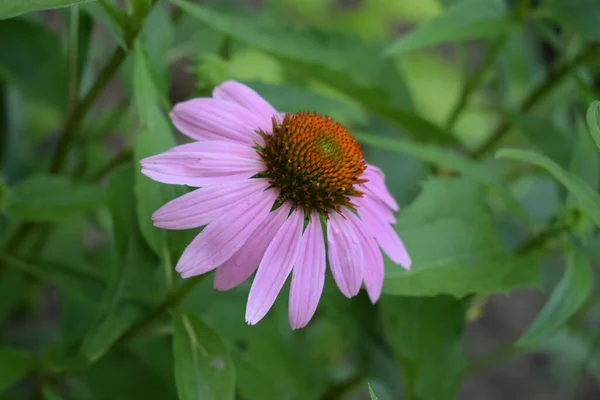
x=379 y=209
x=309 y=275
x=386 y=236
x=275 y=267
x=373 y=261
x=202 y=206
x=223 y=147
x=214 y=119
x=226 y=235
x=345 y=255
x=243 y=263
x=376 y=186
x=203 y=168
x=244 y=96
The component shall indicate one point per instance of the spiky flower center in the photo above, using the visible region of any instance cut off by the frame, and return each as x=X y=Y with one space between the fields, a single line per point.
x=314 y=161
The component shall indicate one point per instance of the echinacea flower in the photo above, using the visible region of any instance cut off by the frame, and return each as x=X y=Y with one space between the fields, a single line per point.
x=281 y=193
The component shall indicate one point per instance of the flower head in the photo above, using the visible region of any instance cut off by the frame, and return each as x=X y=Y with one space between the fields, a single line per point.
x=280 y=194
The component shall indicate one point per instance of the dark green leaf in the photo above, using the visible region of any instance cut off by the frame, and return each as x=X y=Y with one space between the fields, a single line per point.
x=593 y=120
x=11 y=287
x=425 y=334
x=449 y=160
x=588 y=199
x=47 y=198
x=343 y=62
x=203 y=369
x=453 y=240
x=464 y=20
x=33 y=60
x=49 y=394
x=567 y=297
x=11 y=8
x=578 y=16
x=14 y=365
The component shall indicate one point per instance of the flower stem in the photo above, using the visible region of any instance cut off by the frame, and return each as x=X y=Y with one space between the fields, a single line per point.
x=557 y=73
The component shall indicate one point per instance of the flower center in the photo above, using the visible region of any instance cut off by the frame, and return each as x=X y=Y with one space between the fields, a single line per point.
x=314 y=161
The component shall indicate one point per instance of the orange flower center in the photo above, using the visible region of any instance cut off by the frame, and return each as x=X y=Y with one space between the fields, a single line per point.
x=314 y=161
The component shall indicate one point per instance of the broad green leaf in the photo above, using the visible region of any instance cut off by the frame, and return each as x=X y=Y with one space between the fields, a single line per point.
x=11 y=8
x=566 y=299
x=203 y=368
x=546 y=136
x=453 y=240
x=343 y=62
x=49 y=198
x=449 y=160
x=14 y=366
x=153 y=137
x=464 y=20
x=425 y=334
x=578 y=16
x=372 y=393
x=33 y=59
x=593 y=120
x=588 y=199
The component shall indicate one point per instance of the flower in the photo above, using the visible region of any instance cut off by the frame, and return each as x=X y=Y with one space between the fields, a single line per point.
x=268 y=183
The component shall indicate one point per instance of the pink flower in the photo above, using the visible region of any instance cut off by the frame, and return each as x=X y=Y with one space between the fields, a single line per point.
x=268 y=183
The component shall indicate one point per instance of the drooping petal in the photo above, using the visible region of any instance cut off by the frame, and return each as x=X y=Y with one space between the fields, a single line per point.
x=243 y=263
x=244 y=96
x=223 y=147
x=386 y=237
x=376 y=186
x=345 y=255
x=275 y=267
x=215 y=119
x=308 y=277
x=223 y=237
x=372 y=258
x=381 y=210
x=199 y=168
x=203 y=205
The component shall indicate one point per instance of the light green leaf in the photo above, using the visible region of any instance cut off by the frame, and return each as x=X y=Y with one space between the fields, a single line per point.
x=14 y=365
x=593 y=120
x=203 y=369
x=344 y=62
x=449 y=160
x=453 y=240
x=463 y=20
x=372 y=393
x=566 y=299
x=588 y=199
x=11 y=8
x=48 y=198
x=425 y=336
x=33 y=60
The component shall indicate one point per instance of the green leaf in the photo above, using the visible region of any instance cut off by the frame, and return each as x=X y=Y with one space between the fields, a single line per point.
x=585 y=162
x=588 y=199
x=11 y=8
x=446 y=159
x=49 y=394
x=14 y=366
x=49 y=198
x=111 y=18
x=578 y=16
x=468 y=255
x=566 y=299
x=344 y=62
x=425 y=334
x=593 y=120
x=372 y=393
x=153 y=137
x=463 y=20
x=203 y=369
x=33 y=60
x=12 y=288
x=546 y=136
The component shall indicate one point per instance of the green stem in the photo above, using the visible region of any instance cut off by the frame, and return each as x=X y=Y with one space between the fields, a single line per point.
x=557 y=73
x=76 y=118
x=170 y=301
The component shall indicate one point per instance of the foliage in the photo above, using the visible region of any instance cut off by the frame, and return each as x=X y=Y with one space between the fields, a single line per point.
x=493 y=158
